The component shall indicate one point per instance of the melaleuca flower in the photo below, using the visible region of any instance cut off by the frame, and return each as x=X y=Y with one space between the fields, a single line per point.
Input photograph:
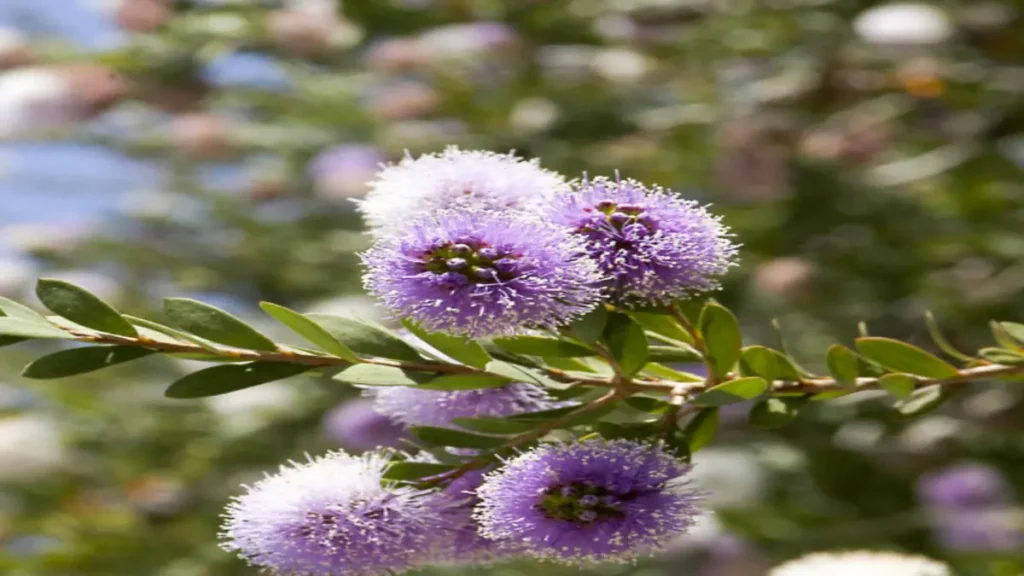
x=332 y=515
x=465 y=544
x=456 y=179
x=414 y=407
x=861 y=564
x=357 y=425
x=591 y=501
x=653 y=247
x=482 y=273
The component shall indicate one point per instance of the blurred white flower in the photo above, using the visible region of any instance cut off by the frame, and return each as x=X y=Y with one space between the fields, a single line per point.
x=15 y=275
x=248 y=410
x=701 y=535
x=930 y=432
x=30 y=237
x=34 y=99
x=861 y=564
x=533 y=115
x=30 y=448
x=621 y=65
x=730 y=477
x=903 y=23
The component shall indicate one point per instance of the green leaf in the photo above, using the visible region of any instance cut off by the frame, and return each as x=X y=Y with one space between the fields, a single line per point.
x=662 y=325
x=768 y=364
x=215 y=325
x=231 y=377
x=1002 y=356
x=775 y=412
x=899 y=385
x=940 y=340
x=494 y=425
x=672 y=354
x=626 y=342
x=464 y=382
x=464 y=350
x=701 y=429
x=647 y=404
x=1002 y=337
x=82 y=307
x=732 y=392
x=924 y=400
x=310 y=330
x=366 y=338
x=24 y=329
x=843 y=365
x=400 y=471
x=172 y=334
x=1016 y=331
x=512 y=372
x=660 y=371
x=81 y=361
x=373 y=375
x=542 y=346
x=19 y=312
x=637 y=431
x=590 y=327
x=722 y=338
x=902 y=357
x=455 y=438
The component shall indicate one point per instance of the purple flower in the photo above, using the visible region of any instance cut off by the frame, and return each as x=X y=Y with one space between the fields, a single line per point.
x=482 y=273
x=458 y=180
x=414 y=407
x=653 y=246
x=964 y=486
x=357 y=425
x=985 y=529
x=592 y=501
x=332 y=515
x=345 y=171
x=465 y=544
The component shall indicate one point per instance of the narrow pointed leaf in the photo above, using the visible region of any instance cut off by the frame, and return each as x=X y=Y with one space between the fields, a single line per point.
x=310 y=330
x=171 y=333
x=662 y=325
x=768 y=364
x=215 y=324
x=1016 y=331
x=925 y=400
x=899 y=385
x=627 y=343
x=512 y=372
x=82 y=307
x=373 y=375
x=940 y=340
x=464 y=382
x=23 y=329
x=20 y=312
x=722 y=338
x=843 y=365
x=230 y=378
x=82 y=360
x=1002 y=356
x=455 y=438
x=775 y=412
x=700 y=430
x=672 y=354
x=459 y=348
x=902 y=357
x=415 y=470
x=733 y=391
x=365 y=338
x=543 y=346
x=1002 y=337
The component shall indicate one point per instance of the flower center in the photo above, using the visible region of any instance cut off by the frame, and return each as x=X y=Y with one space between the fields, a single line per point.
x=581 y=503
x=621 y=215
x=467 y=260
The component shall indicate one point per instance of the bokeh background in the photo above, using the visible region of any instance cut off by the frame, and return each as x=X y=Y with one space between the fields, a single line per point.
x=868 y=155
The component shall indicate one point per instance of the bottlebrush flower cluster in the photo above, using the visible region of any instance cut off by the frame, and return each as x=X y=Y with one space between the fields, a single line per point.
x=482 y=244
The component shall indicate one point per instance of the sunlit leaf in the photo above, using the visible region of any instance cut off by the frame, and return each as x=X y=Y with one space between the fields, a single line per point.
x=82 y=307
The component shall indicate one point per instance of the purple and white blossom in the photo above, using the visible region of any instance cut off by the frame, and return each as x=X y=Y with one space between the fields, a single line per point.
x=357 y=425
x=333 y=515
x=591 y=501
x=653 y=246
x=482 y=273
x=415 y=407
x=861 y=563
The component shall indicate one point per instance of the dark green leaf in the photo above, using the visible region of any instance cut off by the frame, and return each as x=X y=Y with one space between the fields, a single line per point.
x=415 y=470
x=366 y=338
x=494 y=425
x=899 y=385
x=768 y=364
x=672 y=354
x=775 y=412
x=215 y=324
x=542 y=346
x=82 y=360
x=373 y=375
x=24 y=329
x=902 y=357
x=464 y=382
x=455 y=438
x=231 y=377
x=458 y=348
x=733 y=391
x=722 y=338
x=590 y=327
x=82 y=307
x=1002 y=356
x=647 y=404
x=637 y=431
x=843 y=365
x=662 y=325
x=626 y=342
x=1016 y=331
x=924 y=400
x=701 y=429
x=310 y=330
